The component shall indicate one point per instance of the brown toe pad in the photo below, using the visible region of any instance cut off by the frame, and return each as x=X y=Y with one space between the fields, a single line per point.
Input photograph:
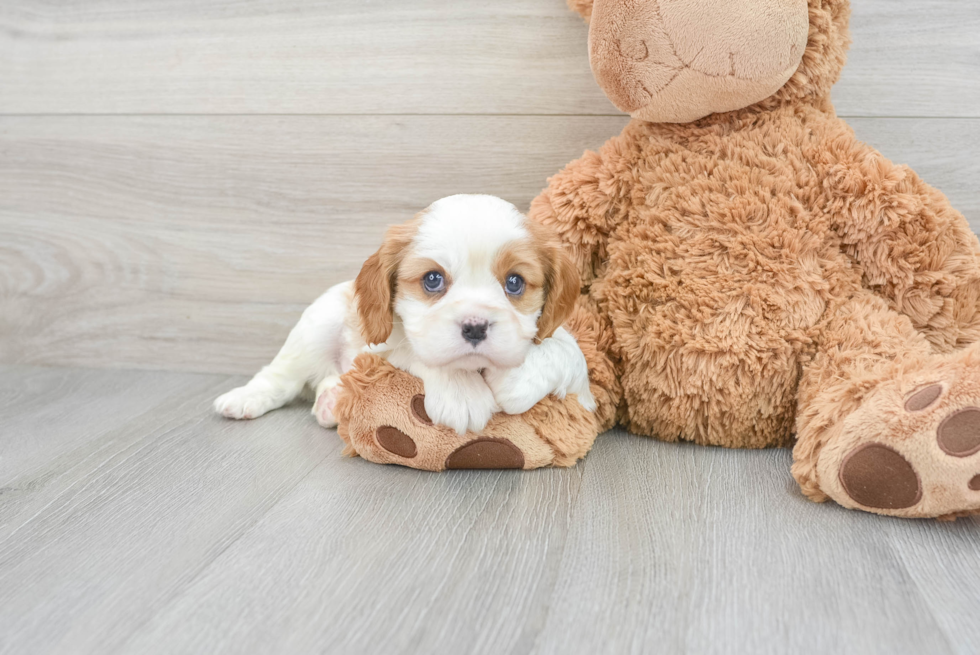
x=418 y=409
x=923 y=398
x=875 y=475
x=486 y=453
x=395 y=441
x=959 y=433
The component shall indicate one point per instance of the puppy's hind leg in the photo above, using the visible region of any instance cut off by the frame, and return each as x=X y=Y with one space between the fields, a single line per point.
x=309 y=356
x=326 y=400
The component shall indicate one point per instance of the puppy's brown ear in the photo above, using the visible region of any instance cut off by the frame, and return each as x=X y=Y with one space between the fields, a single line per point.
x=374 y=287
x=562 y=287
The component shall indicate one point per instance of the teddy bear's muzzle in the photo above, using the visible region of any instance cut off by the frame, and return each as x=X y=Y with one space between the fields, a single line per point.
x=676 y=61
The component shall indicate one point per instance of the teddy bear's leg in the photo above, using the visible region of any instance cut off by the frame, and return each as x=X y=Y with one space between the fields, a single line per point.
x=381 y=414
x=884 y=423
x=916 y=251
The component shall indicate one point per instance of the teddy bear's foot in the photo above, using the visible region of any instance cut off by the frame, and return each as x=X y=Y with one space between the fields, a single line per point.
x=381 y=414
x=913 y=446
x=408 y=437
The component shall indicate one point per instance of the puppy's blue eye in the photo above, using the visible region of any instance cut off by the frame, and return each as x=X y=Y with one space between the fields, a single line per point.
x=514 y=285
x=433 y=281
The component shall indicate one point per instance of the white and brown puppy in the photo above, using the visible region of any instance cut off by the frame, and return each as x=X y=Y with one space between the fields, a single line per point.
x=469 y=296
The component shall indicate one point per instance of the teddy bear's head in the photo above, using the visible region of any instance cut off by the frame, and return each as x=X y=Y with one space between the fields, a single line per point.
x=676 y=61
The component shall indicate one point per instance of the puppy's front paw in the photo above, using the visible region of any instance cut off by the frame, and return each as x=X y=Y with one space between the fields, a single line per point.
x=444 y=411
x=462 y=415
x=243 y=403
x=516 y=390
x=480 y=412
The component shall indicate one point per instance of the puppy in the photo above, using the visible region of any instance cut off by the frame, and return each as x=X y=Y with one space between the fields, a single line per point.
x=469 y=296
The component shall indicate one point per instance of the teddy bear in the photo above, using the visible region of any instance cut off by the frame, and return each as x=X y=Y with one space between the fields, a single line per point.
x=752 y=275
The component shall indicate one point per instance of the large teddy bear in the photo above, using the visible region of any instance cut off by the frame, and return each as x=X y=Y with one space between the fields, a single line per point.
x=752 y=275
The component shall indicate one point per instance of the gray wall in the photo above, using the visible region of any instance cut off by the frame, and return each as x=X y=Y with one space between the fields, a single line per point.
x=178 y=179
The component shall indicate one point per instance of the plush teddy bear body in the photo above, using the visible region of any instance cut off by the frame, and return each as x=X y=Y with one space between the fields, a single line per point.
x=714 y=268
x=758 y=276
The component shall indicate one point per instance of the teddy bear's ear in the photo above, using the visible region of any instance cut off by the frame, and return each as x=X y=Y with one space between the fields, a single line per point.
x=582 y=7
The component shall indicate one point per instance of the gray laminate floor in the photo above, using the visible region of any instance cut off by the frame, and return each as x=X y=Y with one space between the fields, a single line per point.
x=133 y=520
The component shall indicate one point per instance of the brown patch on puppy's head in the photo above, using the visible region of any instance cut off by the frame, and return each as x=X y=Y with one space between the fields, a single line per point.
x=374 y=287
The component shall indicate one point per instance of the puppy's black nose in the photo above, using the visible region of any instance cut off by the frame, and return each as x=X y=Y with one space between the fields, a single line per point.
x=475 y=331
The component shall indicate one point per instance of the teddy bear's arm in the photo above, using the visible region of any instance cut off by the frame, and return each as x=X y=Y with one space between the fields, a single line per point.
x=382 y=417
x=585 y=201
x=915 y=250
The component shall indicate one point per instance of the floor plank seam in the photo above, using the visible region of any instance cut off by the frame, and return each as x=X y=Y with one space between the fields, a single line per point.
x=179 y=593
x=572 y=506
x=918 y=588
x=98 y=471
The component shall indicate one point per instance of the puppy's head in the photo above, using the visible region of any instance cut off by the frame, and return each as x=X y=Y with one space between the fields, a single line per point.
x=473 y=282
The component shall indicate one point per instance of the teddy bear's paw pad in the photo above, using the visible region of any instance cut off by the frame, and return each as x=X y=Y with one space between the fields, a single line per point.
x=923 y=398
x=911 y=454
x=486 y=453
x=418 y=409
x=959 y=433
x=875 y=475
x=396 y=442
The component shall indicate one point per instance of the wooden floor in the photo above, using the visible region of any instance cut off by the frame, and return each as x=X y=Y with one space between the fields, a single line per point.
x=132 y=520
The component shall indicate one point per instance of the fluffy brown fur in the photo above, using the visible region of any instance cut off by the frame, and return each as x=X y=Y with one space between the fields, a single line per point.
x=760 y=277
